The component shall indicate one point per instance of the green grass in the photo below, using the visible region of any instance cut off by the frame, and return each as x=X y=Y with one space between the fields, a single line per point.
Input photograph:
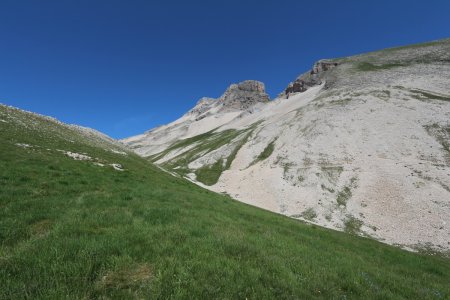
x=266 y=153
x=344 y=195
x=73 y=230
x=201 y=145
x=236 y=149
x=309 y=214
x=339 y=102
x=442 y=135
x=331 y=173
x=417 y=46
x=210 y=174
x=352 y=225
x=367 y=66
x=437 y=53
x=210 y=135
x=424 y=95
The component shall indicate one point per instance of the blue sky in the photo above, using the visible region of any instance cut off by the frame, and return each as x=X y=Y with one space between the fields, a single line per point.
x=123 y=67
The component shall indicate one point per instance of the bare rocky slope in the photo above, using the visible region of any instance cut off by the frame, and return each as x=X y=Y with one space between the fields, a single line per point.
x=360 y=144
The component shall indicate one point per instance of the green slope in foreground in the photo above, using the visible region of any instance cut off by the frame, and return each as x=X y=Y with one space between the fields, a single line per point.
x=71 y=229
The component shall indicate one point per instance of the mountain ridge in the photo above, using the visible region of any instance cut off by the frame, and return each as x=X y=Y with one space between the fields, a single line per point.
x=345 y=140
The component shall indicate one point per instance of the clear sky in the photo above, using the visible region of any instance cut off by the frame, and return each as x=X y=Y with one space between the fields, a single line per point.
x=123 y=67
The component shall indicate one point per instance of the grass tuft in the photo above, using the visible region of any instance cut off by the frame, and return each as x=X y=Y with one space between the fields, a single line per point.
x=352 y=225
x=343 y=196
x=309 y=214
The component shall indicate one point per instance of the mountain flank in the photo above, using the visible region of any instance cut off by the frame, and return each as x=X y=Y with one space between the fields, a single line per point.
x=81 y=217
x=358 y=144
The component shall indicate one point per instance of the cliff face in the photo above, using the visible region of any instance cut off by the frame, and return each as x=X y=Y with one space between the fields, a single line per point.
x=237 y=97
x=243 y=95
x=312 y=78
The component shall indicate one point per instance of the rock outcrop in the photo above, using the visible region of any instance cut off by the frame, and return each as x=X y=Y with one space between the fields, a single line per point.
x=202 y=106
x=310 y=79
x=243 y=95
x=237 y=97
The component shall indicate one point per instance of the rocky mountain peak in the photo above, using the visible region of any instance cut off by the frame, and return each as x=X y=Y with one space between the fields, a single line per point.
x=238 y=96
x=243 y=95
x=249 y=86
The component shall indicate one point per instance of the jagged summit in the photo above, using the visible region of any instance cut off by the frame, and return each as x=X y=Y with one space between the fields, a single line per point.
x=237 y=97
x=244 y=95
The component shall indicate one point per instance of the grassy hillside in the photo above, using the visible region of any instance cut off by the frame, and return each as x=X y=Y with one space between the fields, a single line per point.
x=82 y=229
